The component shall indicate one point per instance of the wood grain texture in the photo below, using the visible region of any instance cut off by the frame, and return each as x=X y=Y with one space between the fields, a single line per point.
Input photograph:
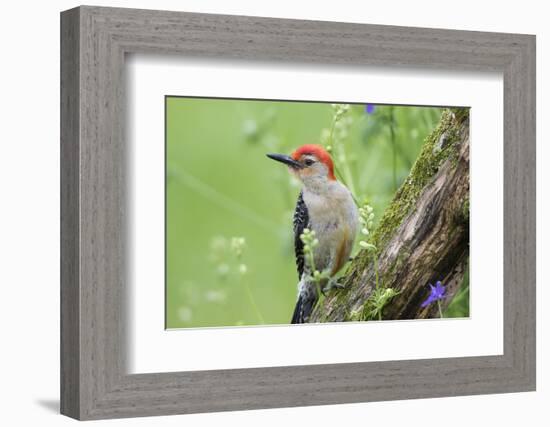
x=95 y=276
x=422 y=237
x=70 y=221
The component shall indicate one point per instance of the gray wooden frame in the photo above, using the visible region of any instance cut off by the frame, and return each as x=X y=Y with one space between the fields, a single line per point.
x=94 y=41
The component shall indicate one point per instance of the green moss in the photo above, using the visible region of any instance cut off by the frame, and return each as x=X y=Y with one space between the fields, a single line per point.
x=440 y=145
x=354 y=316
x=437 y=147
x=461 y=113
x=373 y=307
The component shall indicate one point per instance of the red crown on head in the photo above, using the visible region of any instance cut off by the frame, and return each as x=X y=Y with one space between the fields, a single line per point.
x=319 y=152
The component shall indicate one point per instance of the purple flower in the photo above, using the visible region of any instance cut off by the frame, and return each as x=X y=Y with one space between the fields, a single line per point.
x=369 y=108
x=437 y=293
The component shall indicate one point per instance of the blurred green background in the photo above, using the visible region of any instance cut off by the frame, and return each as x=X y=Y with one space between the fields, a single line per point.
x=229 y=242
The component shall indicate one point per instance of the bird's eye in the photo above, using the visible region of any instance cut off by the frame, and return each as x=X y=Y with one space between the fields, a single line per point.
x=308 y=162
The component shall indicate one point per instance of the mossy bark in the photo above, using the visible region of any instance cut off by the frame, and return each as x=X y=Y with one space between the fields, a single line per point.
x=422 y=237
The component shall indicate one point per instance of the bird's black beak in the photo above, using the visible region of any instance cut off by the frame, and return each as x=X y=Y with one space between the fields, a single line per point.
x=287 y=160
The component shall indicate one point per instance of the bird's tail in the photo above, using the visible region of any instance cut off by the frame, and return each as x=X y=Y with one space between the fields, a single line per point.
x=304 y=307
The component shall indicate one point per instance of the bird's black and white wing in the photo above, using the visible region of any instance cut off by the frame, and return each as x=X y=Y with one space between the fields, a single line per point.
x=307 y=296
x=300 y=221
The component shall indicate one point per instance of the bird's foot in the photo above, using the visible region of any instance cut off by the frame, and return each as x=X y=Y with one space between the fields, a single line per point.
x=331 y=284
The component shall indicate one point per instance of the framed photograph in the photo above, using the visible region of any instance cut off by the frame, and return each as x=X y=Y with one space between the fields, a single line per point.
x=262 y=213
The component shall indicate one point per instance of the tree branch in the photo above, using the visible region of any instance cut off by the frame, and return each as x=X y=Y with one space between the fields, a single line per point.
x=422 y=237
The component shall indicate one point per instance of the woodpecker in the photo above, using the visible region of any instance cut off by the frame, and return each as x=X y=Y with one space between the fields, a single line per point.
x=327 y=207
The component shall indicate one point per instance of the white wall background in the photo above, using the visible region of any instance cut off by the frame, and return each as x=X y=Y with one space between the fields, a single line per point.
x=29 y=212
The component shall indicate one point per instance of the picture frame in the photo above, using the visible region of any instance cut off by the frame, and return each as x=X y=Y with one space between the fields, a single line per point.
x=94 y=233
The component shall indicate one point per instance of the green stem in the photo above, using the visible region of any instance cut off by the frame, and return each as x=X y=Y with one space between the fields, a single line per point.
x=394 y=148
x=347 y=176
x=319 y=294
x=331 y=135
x=215 y=197
x=253 y=302
x=439 y=308
x=343 y=179
x=347 y=171
x=310 y=258
x=249 y=292
x=316 y=281
x=376 y=269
